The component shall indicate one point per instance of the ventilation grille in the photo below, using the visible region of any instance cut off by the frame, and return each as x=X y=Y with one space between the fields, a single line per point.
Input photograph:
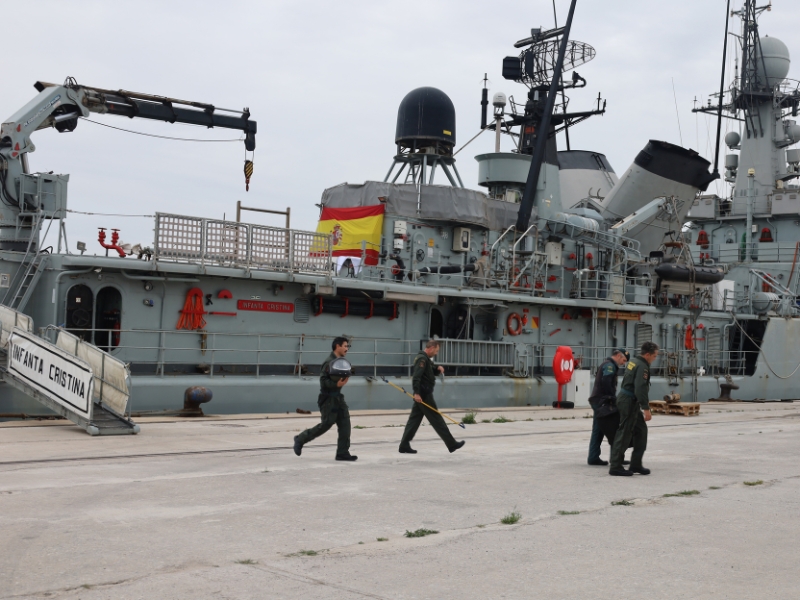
x=644 y=333
x=302 y=310
x=714 y=346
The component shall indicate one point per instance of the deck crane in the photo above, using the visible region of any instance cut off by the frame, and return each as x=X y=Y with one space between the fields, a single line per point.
x=24 y=195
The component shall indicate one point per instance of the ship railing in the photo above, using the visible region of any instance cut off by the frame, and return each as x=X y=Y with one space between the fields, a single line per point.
x=736 y=252
x=194 y=240
x=738 y=206
x=164 y=353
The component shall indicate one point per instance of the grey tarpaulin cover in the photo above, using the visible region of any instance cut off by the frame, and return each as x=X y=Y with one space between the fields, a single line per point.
x=437 y=202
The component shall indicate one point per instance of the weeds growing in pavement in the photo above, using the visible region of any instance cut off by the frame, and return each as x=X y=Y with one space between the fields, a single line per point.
x=683 y=493
x=511 y=518
x=468 y=419
x=419 y=533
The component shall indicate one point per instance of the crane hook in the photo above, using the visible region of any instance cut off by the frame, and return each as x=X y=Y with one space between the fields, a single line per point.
x=248 y=173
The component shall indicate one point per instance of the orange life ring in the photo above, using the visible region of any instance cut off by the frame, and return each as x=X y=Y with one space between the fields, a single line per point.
x=514 y=330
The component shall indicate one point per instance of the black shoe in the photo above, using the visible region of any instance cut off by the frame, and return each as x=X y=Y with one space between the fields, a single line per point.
x=626 y=462
x=598 y=462
x=620 y=472
x=348 y=457
x=640 y=471
x=407 y=450
x=298 y=447
x=457 y=446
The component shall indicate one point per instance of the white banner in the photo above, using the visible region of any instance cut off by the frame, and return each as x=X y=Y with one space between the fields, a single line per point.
x=64 y=379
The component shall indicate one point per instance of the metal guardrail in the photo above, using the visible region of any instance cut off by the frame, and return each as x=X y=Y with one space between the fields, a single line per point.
x=194 y=240
x=215 y=354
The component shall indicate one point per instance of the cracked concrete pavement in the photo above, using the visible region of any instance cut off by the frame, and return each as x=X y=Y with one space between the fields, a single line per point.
x=221 y=508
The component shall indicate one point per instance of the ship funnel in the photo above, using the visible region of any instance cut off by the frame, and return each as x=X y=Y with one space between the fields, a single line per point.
x=660 y=170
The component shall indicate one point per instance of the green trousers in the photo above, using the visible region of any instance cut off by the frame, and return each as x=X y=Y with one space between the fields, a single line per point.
x=435 y=419
x=632 y=428
x=333 y=411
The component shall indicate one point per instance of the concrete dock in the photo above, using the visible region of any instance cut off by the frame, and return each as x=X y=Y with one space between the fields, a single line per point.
x=222 y=508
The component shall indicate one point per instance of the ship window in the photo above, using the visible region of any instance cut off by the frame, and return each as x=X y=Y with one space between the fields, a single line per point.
x=108 y=318
x=80 y=306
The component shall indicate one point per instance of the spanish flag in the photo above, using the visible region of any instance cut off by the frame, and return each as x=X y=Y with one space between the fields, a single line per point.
x=349 y=227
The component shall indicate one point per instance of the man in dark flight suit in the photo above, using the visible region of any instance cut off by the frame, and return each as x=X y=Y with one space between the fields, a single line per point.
x=633 y=403
x=332 y=407
x=424 y=380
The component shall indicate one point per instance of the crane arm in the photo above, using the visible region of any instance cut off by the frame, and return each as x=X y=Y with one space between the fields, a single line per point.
x=60 y=106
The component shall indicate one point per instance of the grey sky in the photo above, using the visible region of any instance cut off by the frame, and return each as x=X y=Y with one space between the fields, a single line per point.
x=324 y=79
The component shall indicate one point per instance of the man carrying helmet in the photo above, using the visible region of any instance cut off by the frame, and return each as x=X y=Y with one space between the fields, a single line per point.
x=424 y=380
x=333 y=377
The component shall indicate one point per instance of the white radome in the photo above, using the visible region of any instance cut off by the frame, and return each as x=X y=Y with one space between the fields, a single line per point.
x=499 y=100
x=776 y=60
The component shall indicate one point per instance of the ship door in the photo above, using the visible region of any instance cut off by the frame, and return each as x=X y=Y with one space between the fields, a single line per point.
x=108 y=318
x=437 y=324
x=80 y=306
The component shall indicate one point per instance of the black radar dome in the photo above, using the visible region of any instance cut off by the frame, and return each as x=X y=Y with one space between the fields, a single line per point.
x=426 y=117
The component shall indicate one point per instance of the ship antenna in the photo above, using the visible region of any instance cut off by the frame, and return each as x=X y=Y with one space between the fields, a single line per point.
x=563 y=96
x=526 y=204
x=721 y=91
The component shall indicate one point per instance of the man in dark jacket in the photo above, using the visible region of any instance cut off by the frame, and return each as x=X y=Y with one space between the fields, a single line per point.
x=604 y=405
x=424 y=380
x=332 y=407
x=633 y=403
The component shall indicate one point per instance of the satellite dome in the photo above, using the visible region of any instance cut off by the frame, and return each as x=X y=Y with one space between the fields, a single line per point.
x=426 y=116
x=499 y=100
x=776 y=59
x=732 y=139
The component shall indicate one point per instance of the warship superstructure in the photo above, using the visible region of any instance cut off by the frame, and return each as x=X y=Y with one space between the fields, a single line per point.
x=556 y=250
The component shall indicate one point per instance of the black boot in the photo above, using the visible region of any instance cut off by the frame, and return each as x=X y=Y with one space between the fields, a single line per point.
x=598 y=462
x=640 y=470
x=620 y=472
x=457 y=446
x=407 y=449
x=298 y=447
x=348 y=457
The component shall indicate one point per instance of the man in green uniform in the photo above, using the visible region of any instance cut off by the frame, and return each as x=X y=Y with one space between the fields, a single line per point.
x=424 y=380
x=633 y=402
x=332 y=407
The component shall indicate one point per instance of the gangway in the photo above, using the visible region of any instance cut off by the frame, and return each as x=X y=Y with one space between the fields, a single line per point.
x=70 y=377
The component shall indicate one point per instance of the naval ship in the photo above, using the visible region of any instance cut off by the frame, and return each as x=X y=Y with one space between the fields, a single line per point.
x=555 y=250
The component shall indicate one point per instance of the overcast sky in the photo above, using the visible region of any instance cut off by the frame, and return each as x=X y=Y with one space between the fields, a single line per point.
x=323 y=80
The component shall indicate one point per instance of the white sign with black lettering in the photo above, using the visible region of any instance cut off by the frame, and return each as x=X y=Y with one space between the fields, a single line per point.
x=64 y=379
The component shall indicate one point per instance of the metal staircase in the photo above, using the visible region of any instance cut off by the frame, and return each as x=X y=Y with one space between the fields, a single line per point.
x=29 y=271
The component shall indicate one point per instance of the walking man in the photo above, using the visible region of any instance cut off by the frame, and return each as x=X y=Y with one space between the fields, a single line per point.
x=633 y=403
x=332 y=407
x=424 y=380
x=605 y=420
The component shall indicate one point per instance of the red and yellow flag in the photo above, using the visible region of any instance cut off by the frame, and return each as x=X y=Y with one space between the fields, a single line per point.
x=349 y=227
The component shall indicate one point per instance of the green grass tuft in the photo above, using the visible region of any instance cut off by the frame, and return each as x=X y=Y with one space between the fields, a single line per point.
x=419 y=533
x=502 y=419
x=308 y=553
x=486 y=420
x=359 y=427
x=752 y=483
x=569 y=512
x=383 y=539
x=511 y=518
x=683 y=493
x=468 y=419
x=247 y=561
x=714 y=487
x=622 y=503
x=480 y=526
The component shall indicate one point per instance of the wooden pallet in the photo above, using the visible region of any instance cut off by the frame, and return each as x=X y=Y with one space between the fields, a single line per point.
x=686 y=409
x=658 y=407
